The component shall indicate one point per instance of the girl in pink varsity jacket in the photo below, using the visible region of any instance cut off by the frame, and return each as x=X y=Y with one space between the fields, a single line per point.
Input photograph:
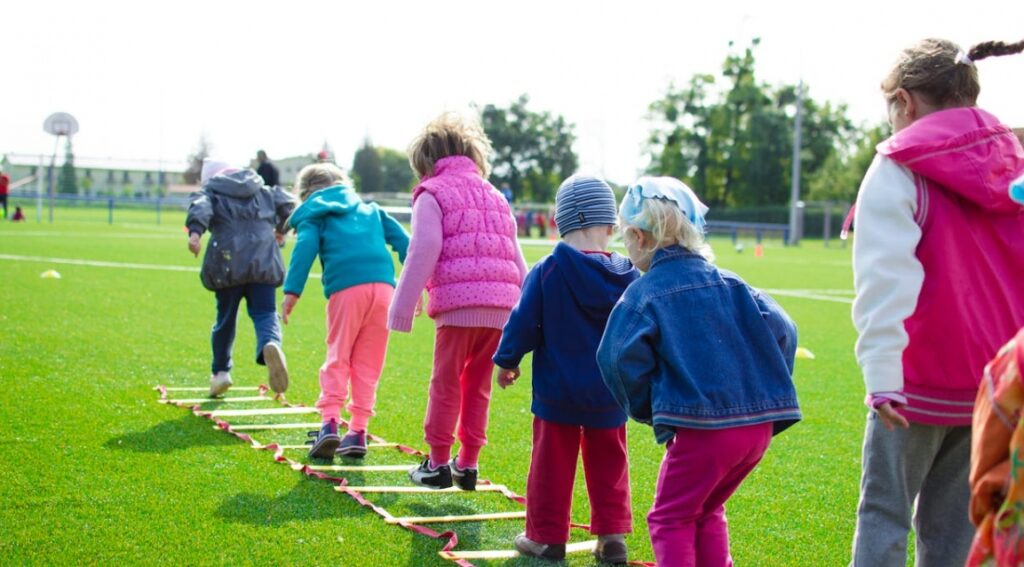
x=464 y=251
x=938 y=256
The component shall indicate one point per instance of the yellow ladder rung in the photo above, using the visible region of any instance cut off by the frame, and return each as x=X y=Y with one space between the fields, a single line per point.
x=264 y=426
x=267 y=411
x=217 y=400
x=207 y=389
x=464 y=518
x=511 y=553
x=419 y=489
x=360 y=468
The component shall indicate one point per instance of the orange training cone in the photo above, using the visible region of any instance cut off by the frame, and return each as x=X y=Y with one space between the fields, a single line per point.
x=758 y=251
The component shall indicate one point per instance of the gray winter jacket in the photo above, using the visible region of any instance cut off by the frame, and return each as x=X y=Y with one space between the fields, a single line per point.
x=241 y=215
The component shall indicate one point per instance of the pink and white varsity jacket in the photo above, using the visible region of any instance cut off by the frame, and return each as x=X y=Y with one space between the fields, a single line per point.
x=938 y=260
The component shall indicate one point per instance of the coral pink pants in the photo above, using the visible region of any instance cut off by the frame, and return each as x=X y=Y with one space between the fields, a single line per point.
x=460 y=392
x=556 y=448
x=700 y=471
x=357 y=342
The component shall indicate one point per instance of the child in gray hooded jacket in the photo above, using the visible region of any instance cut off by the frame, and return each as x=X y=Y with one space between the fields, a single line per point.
x=246 y=220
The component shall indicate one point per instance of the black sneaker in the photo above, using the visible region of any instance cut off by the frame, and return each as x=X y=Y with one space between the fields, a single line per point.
x=423 y=475
x=465 y=478
x=326 y=441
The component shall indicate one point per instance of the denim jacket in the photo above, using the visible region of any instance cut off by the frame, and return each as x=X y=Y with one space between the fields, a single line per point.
x=692 y=346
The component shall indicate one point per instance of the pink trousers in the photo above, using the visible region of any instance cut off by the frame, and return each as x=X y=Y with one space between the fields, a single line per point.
x=460 y=392
x=700 y=471
x=357 y=342
x=549 y=486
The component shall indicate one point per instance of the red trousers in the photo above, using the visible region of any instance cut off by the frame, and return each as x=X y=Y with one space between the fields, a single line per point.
x=549 y=487
x=460 y=392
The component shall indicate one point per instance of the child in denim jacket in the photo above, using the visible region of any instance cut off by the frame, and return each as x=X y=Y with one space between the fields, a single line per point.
x=704 y=358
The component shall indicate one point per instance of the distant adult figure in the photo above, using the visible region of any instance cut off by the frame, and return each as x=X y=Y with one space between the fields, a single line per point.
x=5 y=182
x=267 y=170
x=507 y=192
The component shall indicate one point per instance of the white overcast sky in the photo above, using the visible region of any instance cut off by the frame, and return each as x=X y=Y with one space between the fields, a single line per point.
x=146 y=79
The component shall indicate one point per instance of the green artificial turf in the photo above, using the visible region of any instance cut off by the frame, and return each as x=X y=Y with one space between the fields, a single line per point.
x=97 y=472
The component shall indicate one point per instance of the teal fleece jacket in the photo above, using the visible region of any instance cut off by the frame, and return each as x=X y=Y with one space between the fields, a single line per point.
x=349 y=236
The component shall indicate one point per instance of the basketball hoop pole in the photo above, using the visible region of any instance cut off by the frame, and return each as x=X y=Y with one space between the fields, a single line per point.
x=59 y=124
x=50 y=177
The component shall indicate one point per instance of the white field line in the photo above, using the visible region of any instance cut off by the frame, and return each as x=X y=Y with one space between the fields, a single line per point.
x=807 y=294
x=105 y=264
x=816 y=294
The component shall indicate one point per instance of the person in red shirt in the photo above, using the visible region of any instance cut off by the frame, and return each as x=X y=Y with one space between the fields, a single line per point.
x=5 y=181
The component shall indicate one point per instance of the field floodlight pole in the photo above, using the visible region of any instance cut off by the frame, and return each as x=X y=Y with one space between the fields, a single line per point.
x=39 y=188
x=794 y=196
x=58 y=124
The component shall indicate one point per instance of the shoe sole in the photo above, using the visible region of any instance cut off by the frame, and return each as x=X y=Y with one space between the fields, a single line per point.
x=354 y=452
x=325 y=447
x=274 y=359
x=218 y=390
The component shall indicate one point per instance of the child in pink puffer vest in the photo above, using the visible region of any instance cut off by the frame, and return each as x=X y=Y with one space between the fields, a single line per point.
x=464 y=252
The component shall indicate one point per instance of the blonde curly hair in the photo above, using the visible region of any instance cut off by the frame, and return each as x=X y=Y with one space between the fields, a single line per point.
x=450 y=134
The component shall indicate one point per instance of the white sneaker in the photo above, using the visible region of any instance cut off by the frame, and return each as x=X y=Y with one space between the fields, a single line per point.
x=219 y=383
x=277 y=368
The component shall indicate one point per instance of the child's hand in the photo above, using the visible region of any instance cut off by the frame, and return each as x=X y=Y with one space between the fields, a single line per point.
x=507 y=376
x=419 y=307
x=890 y=417
x=287 y=305
x=279 y=238
x=193 y=244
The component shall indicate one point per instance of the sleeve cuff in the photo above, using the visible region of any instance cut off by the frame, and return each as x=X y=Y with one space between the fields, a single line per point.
x=873 y=401
x=400 y=324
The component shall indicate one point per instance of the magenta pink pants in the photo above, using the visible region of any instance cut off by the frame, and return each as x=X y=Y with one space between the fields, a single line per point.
x=357 y=342
x=556 y=448
x=460 y=392
x=700 y=471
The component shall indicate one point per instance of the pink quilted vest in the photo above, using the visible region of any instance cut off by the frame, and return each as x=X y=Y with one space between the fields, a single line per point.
x=972 y=251
x=477 y=266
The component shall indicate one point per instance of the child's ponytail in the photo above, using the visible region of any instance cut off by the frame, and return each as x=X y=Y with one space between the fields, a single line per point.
x=988 y=49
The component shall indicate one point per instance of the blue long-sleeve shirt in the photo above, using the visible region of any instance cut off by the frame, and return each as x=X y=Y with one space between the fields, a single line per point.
x=561 y=315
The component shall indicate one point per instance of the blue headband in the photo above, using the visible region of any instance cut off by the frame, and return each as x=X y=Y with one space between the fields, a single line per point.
x=666 y=189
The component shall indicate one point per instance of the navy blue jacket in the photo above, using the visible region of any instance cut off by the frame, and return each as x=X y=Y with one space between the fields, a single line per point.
x=693 y=346
x=561 y=315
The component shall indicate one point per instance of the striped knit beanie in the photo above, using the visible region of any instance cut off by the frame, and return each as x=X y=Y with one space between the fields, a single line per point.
x=584 y=201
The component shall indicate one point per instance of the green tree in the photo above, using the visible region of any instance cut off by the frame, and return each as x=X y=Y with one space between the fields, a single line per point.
x=367 y=171
x=532 y=150
x=67 y=181
x=732 y=142
x=840 y=176
x=396 y=172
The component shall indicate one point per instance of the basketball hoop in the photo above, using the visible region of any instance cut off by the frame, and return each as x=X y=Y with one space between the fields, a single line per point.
x=60 y=124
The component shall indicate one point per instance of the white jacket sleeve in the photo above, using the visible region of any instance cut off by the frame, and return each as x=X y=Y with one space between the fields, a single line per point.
x=887 y=276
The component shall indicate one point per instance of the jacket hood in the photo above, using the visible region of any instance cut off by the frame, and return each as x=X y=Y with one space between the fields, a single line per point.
x=242 y=184
x=595 y=281
x=334 y=200
x=965 y=150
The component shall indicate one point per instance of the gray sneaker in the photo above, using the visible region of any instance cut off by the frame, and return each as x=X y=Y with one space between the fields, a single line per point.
x=611 y=549
x=528 y=547
x=219 y=383
x=277 y=368
x=353 y=444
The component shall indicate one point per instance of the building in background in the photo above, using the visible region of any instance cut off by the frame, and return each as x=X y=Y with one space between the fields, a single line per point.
x=104 y=177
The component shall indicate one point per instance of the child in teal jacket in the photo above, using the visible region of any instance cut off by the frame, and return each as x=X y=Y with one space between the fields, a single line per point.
x=351 y=238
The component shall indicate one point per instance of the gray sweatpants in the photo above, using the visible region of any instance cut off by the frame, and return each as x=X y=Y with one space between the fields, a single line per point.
x=926 y=462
